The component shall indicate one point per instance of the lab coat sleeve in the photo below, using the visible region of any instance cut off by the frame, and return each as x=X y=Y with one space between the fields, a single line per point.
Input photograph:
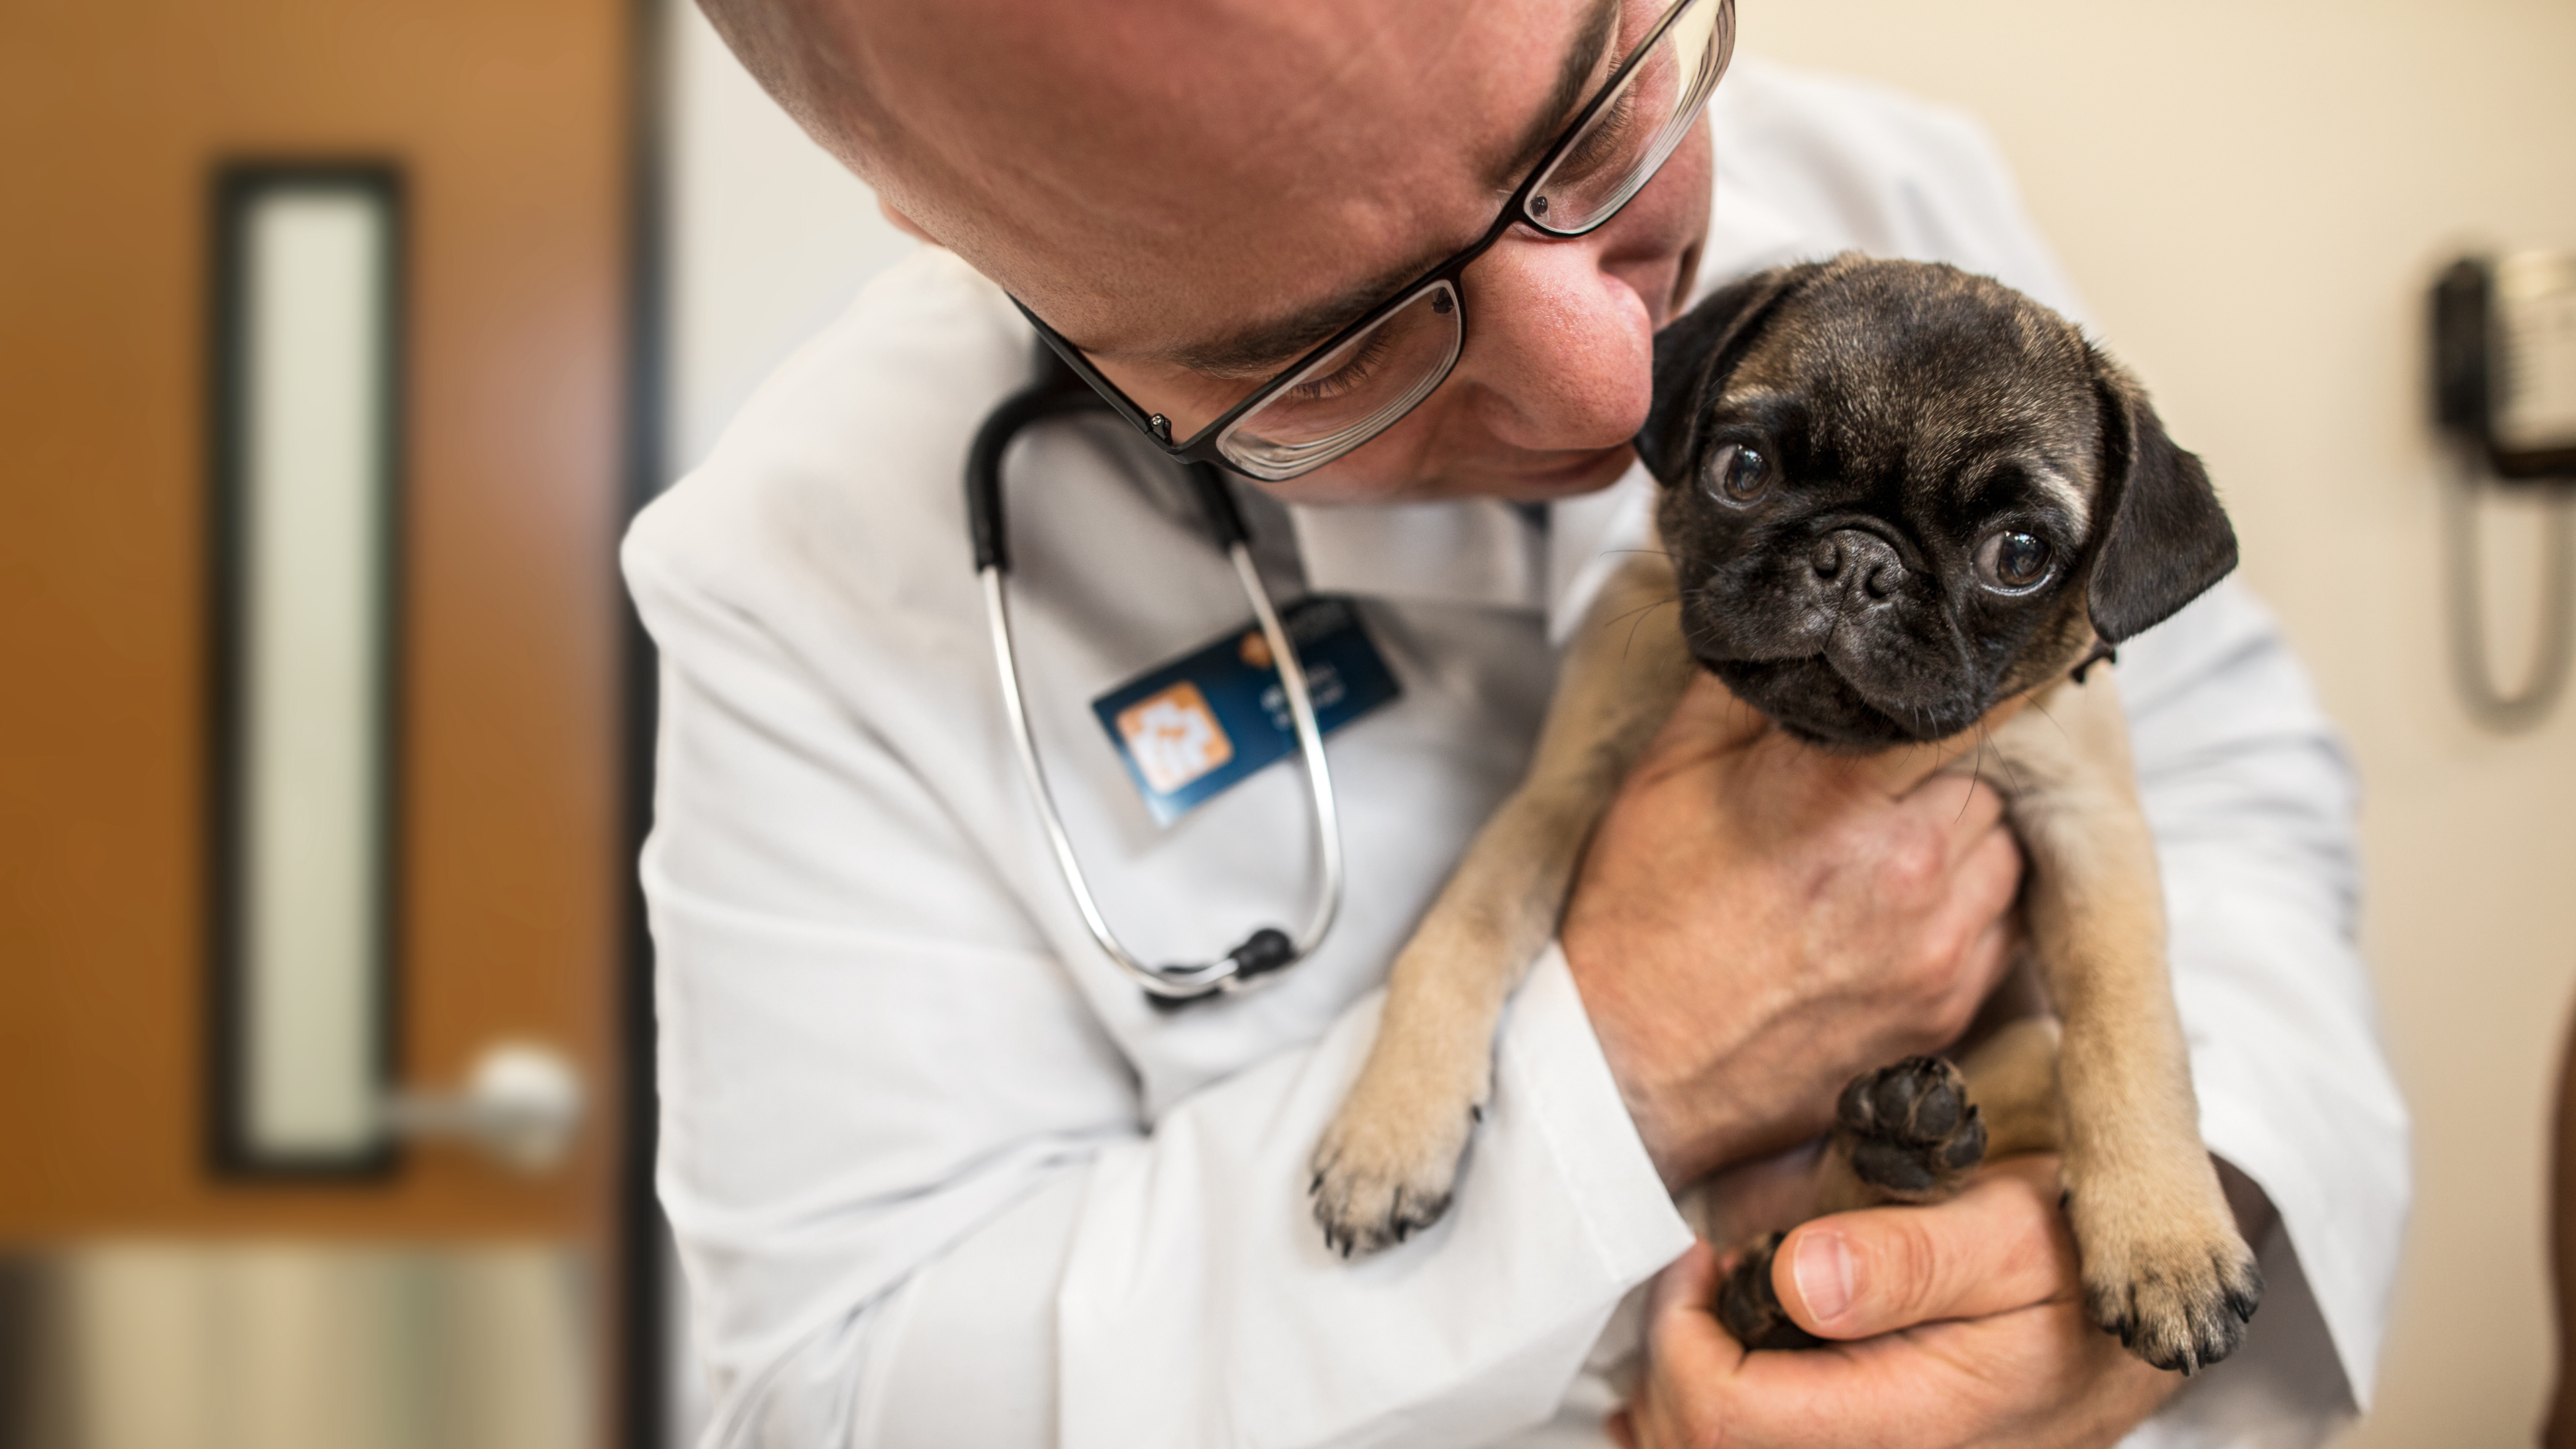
x=891 y=1120
x=2251 y=798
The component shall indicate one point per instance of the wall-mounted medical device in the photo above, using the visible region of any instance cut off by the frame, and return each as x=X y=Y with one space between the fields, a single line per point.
x=2504 y=391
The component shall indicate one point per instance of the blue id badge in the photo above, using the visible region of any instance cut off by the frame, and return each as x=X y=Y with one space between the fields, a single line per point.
x=1188 y=729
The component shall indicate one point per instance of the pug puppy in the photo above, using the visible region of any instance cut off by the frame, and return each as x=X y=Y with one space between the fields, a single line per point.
x=1895 y=499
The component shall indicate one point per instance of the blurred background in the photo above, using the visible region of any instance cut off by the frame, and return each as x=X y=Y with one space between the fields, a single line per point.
x=337 y=340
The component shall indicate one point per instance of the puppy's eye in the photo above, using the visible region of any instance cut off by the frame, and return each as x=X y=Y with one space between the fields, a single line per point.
x=1737 y=474
x=2012 y=563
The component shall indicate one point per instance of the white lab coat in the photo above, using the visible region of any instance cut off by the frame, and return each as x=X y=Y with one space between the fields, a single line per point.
x=939 y=1176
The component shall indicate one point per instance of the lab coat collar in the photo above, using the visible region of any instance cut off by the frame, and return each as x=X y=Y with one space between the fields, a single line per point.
x=1477 y=551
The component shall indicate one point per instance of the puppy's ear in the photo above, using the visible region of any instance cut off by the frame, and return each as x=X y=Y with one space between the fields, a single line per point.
x=2160 y=540
x=1694 y=354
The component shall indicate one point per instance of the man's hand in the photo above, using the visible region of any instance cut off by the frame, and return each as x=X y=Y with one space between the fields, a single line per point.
x=1996 y=1347
x=1757 y=921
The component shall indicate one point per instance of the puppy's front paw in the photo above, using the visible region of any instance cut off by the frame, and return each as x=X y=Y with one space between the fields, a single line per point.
x=1912 y=1133
x=1388 y=1164
x=1749 y=1305
x=2178 y=1287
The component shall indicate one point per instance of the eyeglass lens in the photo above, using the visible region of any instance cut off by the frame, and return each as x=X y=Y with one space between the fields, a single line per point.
x=1358 y=390
x=1626 y=140
x=1352 y=393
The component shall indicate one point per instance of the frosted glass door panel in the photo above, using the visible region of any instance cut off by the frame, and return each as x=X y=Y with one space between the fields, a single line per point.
x=311 y=644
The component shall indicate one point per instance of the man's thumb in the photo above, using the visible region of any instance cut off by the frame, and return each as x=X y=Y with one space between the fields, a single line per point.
x=1999 y=1246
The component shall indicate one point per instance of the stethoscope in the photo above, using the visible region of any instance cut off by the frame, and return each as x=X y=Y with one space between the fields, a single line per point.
x=1059 y=393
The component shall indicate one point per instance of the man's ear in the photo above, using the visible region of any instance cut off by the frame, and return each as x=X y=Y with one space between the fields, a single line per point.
x=1694 y=354
x=2160 y=540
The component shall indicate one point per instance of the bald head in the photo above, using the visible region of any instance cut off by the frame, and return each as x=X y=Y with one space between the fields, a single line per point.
x=1089 y=156
x=1196 y=191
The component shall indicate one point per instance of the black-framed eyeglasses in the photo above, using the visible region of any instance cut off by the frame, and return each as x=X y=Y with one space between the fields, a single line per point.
x=1357 y=383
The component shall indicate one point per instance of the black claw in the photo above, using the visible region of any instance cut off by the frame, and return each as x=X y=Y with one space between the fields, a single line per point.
x=2244 y=1291
x=1475 y=1111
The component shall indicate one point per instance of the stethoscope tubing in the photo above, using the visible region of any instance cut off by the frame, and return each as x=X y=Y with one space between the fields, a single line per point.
x=1261 y=954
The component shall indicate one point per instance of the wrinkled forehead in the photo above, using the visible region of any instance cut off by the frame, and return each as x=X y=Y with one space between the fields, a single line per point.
x=1138 y=169
x=1929 y=383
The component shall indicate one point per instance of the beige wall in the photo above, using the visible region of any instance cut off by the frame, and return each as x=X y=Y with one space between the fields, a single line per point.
x=2252 y=196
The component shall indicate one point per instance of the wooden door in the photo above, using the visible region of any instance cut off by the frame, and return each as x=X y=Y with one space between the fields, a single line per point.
x=507 y=123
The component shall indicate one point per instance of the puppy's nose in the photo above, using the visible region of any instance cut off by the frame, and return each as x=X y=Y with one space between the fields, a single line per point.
x=1864 y=564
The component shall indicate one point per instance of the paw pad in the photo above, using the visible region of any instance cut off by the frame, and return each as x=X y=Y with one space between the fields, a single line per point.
x=1912 y=1131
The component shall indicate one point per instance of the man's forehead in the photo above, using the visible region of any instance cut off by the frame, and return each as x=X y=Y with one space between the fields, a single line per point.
x=1187 y=180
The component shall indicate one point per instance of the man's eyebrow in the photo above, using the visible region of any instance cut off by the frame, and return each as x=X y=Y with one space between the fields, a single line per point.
x=1573 y=84
x=1255 y=350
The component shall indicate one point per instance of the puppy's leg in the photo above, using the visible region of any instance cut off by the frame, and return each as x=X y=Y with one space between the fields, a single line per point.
x=1387 y=1163
x=2163 y=1264
x=2012 y=1077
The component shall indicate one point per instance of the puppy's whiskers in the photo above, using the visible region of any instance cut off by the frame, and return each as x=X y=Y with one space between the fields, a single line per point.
x=2044 y=714
x=1637 y=619
x=1680 y=558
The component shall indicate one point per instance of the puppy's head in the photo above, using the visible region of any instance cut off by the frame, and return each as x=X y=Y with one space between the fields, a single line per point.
x=1896 y=494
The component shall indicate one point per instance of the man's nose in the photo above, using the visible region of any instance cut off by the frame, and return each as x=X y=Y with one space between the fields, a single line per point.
x=1560 y=351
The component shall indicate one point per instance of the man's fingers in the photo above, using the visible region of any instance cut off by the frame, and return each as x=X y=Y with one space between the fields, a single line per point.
x=1690 y=1358
x=1682 y=1331
x=1998 y=1246
x=1688 y=1284
x=1989 y=957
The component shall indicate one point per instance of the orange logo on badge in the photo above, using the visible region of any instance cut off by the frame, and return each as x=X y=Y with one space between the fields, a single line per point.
x=1173 y=737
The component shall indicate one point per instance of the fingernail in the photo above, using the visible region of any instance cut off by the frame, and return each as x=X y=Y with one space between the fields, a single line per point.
x=1823 y=1271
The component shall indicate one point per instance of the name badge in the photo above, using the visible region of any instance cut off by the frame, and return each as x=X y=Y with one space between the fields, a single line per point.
x=1188 y=729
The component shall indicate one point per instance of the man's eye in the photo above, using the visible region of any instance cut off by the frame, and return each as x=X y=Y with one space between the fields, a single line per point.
x=1605 y=144
x=2012 y=563
x=1353 y=373
x=1737 y=474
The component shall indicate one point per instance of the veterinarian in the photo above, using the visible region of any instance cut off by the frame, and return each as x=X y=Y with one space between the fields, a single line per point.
x=939 y=1173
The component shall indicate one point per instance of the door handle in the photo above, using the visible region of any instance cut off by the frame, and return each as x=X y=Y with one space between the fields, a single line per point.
x=520 y=1105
